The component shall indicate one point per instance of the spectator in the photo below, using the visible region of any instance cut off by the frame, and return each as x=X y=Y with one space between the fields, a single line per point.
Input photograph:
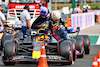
x=2 y=17
x=77 y=9
x=58 y=8
x=87 y=8
x=71 y=10
x=83 y=10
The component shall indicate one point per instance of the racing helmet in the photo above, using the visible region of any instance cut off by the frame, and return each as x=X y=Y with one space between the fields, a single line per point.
x=56 y=16
x=43 y=12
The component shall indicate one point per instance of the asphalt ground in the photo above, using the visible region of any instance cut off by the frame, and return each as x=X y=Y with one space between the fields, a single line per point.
x=86 y=61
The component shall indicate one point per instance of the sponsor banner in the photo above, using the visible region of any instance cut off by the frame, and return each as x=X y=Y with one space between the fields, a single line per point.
x=22 y=6
x=83 y=20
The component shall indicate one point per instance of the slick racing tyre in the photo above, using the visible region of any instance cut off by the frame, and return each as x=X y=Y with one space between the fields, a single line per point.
x=73 y=48
x=66 y=51
x=9 y=51
x=80 y=46
x=86 y=43
x=4 y=38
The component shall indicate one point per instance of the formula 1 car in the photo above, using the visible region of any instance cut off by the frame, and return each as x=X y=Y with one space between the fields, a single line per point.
x=8 y=33
x=20 y=49
x=4 y=30
x=86 y=41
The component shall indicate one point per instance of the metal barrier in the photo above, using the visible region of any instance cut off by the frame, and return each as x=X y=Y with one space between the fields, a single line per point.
x=82 y=20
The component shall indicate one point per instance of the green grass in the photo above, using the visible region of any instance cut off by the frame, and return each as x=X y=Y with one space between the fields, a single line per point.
x=93 y=5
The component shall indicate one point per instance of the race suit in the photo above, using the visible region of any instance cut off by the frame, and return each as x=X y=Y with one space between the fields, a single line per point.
x=56 y=31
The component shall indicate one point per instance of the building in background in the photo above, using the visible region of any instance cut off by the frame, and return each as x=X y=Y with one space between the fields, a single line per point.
x=4 y=2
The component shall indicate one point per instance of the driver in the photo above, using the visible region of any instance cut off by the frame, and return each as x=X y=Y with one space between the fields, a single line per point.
x=41 y=19
x=54 y=26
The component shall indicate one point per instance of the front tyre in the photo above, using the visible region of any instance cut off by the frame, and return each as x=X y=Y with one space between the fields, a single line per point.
x=4 y=38
x=9 y=51
x=66 y=51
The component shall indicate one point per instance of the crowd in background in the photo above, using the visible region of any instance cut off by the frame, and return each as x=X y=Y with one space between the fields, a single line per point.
x=77 y=9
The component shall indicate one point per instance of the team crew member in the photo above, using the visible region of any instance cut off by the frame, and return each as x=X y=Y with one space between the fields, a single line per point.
x=2 y=17
x=86 y=9
x=25 y=18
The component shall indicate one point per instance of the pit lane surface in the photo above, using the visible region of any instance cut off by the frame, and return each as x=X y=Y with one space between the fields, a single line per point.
x=80 y=62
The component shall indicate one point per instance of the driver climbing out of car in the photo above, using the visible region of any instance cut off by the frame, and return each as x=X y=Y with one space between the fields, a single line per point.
x=54 y=20
x=54 y=26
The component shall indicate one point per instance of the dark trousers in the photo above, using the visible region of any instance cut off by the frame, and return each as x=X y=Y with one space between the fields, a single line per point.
x=24 y=29
x=59 y=34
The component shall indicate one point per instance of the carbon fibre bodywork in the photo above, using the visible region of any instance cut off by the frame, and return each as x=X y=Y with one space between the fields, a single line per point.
x=25 y=47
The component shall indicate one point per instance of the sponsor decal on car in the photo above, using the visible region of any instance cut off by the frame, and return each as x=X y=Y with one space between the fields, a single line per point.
x=18 y=57
x=54 y=57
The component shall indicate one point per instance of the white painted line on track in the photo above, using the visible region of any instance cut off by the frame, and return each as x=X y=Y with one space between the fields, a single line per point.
x=98 y=41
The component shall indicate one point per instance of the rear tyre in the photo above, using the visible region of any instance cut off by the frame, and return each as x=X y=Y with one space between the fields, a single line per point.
x=4 y=38
x=73 y=48
x=80 y=46
x=9 y=51
x=86 y=43
x=66 y=51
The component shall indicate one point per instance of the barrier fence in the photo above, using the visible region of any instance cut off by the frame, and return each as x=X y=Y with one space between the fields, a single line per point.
x=83 y=20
